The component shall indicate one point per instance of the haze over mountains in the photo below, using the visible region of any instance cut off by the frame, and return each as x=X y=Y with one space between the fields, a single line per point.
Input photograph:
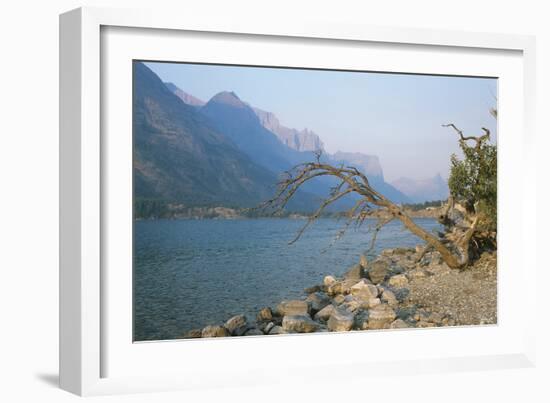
x=419 y=191
x=224 y=152
x=299 y=140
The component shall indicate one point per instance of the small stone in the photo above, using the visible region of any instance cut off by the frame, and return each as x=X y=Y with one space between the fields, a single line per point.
x=387 y=252
x=362 y=289
x=340 y=321
x=381 y=316
x=399 y=324
x=361 y=320
x=352 y=305
x=406 y=313
x=277 y=330
x=389 y=298
x=299 y=324
x=268 y=327
x=318 y=301
x=355 y=273
x=402 y=294
x=241 y=330
x=328 y=281
x=378 y=271
x=339 y=299
x=341 y=287
x=374 y=302
x=193 y=334
x=396 y=270
x=293 y=307
x=254 y=332
x=313 y=289
x=324 y=313
x=399 y=281
x=235 y=323
x=363 y=261
x=215 y=331
x=423 y=323
x=265 y=314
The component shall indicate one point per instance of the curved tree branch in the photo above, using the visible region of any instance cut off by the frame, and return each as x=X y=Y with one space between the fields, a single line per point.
x=356 y=182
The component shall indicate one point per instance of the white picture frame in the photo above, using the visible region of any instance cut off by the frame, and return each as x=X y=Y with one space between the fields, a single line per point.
x=87 y=342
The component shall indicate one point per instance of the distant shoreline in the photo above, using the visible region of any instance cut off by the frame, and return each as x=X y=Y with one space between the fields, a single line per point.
x=225 y=213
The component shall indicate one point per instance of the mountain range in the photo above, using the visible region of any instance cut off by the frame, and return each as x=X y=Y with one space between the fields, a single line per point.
x=299 y=140
x=224 y=152
x=180 y=157
x=422 y=190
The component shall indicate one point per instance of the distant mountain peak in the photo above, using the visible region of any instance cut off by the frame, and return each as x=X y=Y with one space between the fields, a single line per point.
x=228 y=98
x=369 y=164
x=184 y=96
x=299 y=140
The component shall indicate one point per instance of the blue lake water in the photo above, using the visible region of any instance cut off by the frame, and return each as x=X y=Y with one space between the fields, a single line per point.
x=192 y=273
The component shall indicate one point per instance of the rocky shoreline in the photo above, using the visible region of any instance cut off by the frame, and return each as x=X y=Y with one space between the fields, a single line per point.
x=397 y=289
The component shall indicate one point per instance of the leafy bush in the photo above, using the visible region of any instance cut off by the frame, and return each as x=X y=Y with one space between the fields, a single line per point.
x=473 y=180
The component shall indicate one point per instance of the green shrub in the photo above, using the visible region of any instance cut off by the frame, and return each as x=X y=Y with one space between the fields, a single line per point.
x=473 y=180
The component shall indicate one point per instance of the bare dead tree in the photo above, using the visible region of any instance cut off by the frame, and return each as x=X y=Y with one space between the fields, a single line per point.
x=454 y=247
x=478 y=139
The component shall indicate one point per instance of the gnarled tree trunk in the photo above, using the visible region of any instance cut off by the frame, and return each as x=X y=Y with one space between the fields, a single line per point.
x=453 y=250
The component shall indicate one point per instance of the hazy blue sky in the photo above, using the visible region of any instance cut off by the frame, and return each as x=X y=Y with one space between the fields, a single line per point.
x=395 y=116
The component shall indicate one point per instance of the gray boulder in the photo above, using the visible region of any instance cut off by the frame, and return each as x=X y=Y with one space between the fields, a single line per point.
x=277 y=330
x=406 y=314
x=328 y=281
x=234 y=323
x=360 y=322
x=341 y=287
x=318 y=301
x=293 y=307
x=378 y=271
x=312 y=289
x=364 y=290
x=267 y=328
x=357 y=272
x=264 y=315
x=389 y=298
x=340 y=320
x=399 y=324
x=324 y=313
x=402 y=294
x=299 y=324
x=241 y=330
x=193 y=334
x=215 y=331
x=353 y=305
x=381 y=316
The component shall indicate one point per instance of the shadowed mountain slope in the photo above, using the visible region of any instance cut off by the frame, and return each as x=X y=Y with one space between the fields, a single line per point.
x=180 y=157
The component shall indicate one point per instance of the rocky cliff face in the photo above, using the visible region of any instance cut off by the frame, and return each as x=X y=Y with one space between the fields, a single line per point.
x=299 y=140
x=184 y=96
x=369 y=164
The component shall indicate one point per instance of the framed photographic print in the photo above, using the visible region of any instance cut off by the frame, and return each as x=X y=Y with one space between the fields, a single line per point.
x=238 y=197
